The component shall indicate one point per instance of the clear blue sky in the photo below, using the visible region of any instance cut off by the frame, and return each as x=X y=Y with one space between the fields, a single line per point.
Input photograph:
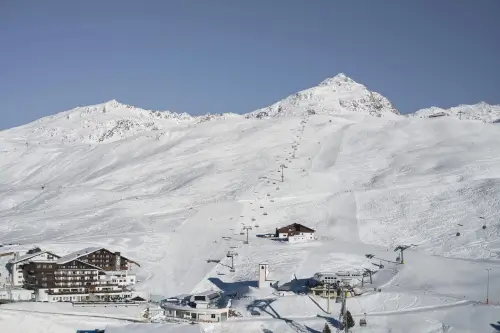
x=201 y=56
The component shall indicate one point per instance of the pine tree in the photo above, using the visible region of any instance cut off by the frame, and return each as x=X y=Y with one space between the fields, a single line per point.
x=349 y=320
x=327 y=329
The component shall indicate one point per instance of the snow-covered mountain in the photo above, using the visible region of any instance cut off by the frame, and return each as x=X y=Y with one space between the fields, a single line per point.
x=106 y=122
x=112 y=121
x=481 y=111
x=332 y=96
x=173 y=192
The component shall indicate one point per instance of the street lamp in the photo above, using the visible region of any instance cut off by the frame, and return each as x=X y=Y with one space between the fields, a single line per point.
x=488 y=286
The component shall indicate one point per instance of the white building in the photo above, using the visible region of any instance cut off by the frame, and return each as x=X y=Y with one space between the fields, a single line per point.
x=122 y=278
x=80 y=294
x=295 y=233
x=350 y=277
x=15 y=265
x=263 y=275
x=203 y=307
x=15 y=294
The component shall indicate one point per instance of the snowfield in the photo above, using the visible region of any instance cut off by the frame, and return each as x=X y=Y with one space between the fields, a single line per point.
x=171 y=191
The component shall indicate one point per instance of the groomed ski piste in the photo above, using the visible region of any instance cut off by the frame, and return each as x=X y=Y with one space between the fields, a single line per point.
x=366 y=184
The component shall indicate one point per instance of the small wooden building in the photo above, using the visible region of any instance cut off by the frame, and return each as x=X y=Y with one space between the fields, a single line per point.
x=295 y=233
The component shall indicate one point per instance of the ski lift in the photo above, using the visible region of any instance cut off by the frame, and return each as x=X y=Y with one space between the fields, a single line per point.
x=253 y=219
x=242 y=233
x=256 y=225
x=261 y=206
x=264 y=213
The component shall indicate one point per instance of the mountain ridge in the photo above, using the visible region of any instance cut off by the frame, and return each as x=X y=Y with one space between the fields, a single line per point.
x=482 y=111
x=340 y=94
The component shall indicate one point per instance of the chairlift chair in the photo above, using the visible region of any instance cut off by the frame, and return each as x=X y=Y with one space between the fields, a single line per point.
x=242 y=233
x=256 y=225
x=264 y=213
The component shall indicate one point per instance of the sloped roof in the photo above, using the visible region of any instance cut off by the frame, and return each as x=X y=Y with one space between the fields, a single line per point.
x=206 y=293
x=84 y=263
x=295 y=227
x=29 y=256
x=77 y=254
x=83 y=252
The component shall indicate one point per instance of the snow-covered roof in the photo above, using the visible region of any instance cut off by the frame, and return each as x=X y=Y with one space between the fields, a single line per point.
x=206 y=293
x=77 y=254
x=153 y=328
x=29 y=256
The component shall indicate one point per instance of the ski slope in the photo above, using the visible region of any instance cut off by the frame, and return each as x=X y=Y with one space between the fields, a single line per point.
x=365 y=183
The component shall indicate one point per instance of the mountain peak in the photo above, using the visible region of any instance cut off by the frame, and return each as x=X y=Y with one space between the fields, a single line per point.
x=332 y=96
x=338 y=79
x=113 y=103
